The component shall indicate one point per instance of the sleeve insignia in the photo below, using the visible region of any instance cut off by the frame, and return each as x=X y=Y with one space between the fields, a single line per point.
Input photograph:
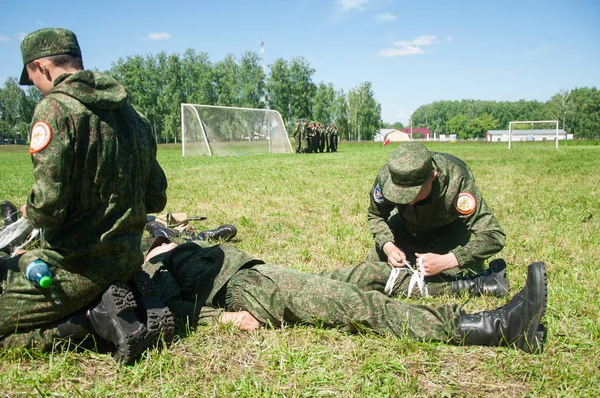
x=41 y=134
x=466 y=203
x=377 y=195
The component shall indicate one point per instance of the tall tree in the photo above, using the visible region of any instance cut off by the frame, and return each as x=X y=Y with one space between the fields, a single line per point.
x=279 y=89
x=197 y=78
x=251 y=81
x=226 y=87
x=303 y=88
x=457 y=125
x=341 y=114
x=324 y=103
x=478 y=127
x=365 y=112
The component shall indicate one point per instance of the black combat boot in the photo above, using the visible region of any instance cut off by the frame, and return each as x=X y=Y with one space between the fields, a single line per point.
x=151 y=309
x=157 y=229
x=74 y=326
x=517 y=323
x=114 y=319
x=118 y=319
x=225 y=232
x=491 y=282
x=9 y=212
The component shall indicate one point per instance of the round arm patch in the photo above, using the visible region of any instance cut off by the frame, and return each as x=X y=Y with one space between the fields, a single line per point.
x=466 y=203
x=377 y=195
x=41 y=134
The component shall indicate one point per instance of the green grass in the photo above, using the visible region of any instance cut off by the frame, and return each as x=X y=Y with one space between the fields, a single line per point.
x=308 y=212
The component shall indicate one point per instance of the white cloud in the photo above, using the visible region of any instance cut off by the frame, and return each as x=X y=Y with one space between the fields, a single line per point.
x=449 y=39
x=386 y=17
x=4 y=38
x=398 y=52
x=419 y=41
x=159 y=36
x=347 y=5
x=410 y=47
x=21 y=35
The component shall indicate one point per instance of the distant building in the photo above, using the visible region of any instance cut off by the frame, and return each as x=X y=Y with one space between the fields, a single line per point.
x=527 y=135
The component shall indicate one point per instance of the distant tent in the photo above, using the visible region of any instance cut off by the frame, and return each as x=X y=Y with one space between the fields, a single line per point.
x=397 y=136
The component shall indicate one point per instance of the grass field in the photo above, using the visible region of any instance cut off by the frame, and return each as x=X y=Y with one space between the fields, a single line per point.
x=308 y=212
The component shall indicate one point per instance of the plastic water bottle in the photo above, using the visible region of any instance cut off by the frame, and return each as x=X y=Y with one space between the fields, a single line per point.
x=41 y=276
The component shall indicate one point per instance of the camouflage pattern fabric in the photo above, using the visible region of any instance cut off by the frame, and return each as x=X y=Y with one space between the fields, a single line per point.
x=333 y=139
x=199 y=283
x=434 y=224
x=96 y=178
x=298 y=136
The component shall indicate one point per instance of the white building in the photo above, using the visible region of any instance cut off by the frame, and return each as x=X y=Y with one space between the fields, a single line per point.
x=527 y=135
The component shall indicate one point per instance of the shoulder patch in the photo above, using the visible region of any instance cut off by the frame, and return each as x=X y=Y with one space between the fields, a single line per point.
x=466 y=203
x=377 y=195
x=41 y=134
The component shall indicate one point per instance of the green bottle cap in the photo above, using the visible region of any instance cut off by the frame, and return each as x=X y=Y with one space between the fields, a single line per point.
x=45 y=282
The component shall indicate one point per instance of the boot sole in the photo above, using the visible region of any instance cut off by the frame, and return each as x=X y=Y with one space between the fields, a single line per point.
x=537 y=297
x=159 y=319
x=132 y=337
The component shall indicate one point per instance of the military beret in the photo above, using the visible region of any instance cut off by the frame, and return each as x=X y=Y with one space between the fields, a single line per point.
x=44 y=43
x=409 y=166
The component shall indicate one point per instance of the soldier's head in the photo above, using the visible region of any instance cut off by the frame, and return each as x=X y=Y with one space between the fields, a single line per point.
x=48 y=53
x=411 y=174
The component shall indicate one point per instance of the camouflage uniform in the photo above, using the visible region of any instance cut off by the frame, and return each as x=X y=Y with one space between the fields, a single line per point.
x=436 y=224
x=306 y=137
x=199 y=282
x=321 y=133
x=298 y=130
x=96 y=177
x=333 y=139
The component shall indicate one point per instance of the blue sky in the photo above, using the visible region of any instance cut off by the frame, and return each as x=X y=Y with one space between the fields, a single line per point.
x=414 y=52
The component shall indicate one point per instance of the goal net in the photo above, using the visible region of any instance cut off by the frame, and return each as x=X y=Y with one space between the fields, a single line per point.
x=550 y=129
x=221 y=130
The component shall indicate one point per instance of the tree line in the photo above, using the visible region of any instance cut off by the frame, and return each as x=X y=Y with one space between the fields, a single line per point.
x=159 y=83
x=577 y=110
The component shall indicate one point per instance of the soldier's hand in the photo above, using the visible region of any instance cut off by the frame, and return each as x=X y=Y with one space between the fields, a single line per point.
x=394 y=254
x=242 y=320
x=436 y=263
x=23 y=212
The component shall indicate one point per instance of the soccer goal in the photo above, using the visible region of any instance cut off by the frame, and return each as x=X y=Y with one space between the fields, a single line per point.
x=510 y=129
x=221 y=130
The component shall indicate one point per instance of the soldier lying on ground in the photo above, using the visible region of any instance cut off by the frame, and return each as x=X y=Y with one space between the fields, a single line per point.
x=202 y=283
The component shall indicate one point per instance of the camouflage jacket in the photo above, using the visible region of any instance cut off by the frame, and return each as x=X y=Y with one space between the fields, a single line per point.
x=454 y=183
x=190 y=276
x=96 y=176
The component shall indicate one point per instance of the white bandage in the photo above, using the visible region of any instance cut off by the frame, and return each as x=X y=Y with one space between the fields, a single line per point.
x=418 y=278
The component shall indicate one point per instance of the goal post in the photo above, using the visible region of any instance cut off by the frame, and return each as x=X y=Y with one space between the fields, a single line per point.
x=224 y=130
x=532 y=122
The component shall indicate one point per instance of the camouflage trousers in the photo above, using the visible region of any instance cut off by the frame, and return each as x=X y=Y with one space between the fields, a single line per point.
x=28 y=316
x=348 y=299
x=447 y=238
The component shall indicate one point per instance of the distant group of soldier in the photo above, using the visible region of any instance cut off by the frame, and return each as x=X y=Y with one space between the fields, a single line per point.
x=313 y=137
